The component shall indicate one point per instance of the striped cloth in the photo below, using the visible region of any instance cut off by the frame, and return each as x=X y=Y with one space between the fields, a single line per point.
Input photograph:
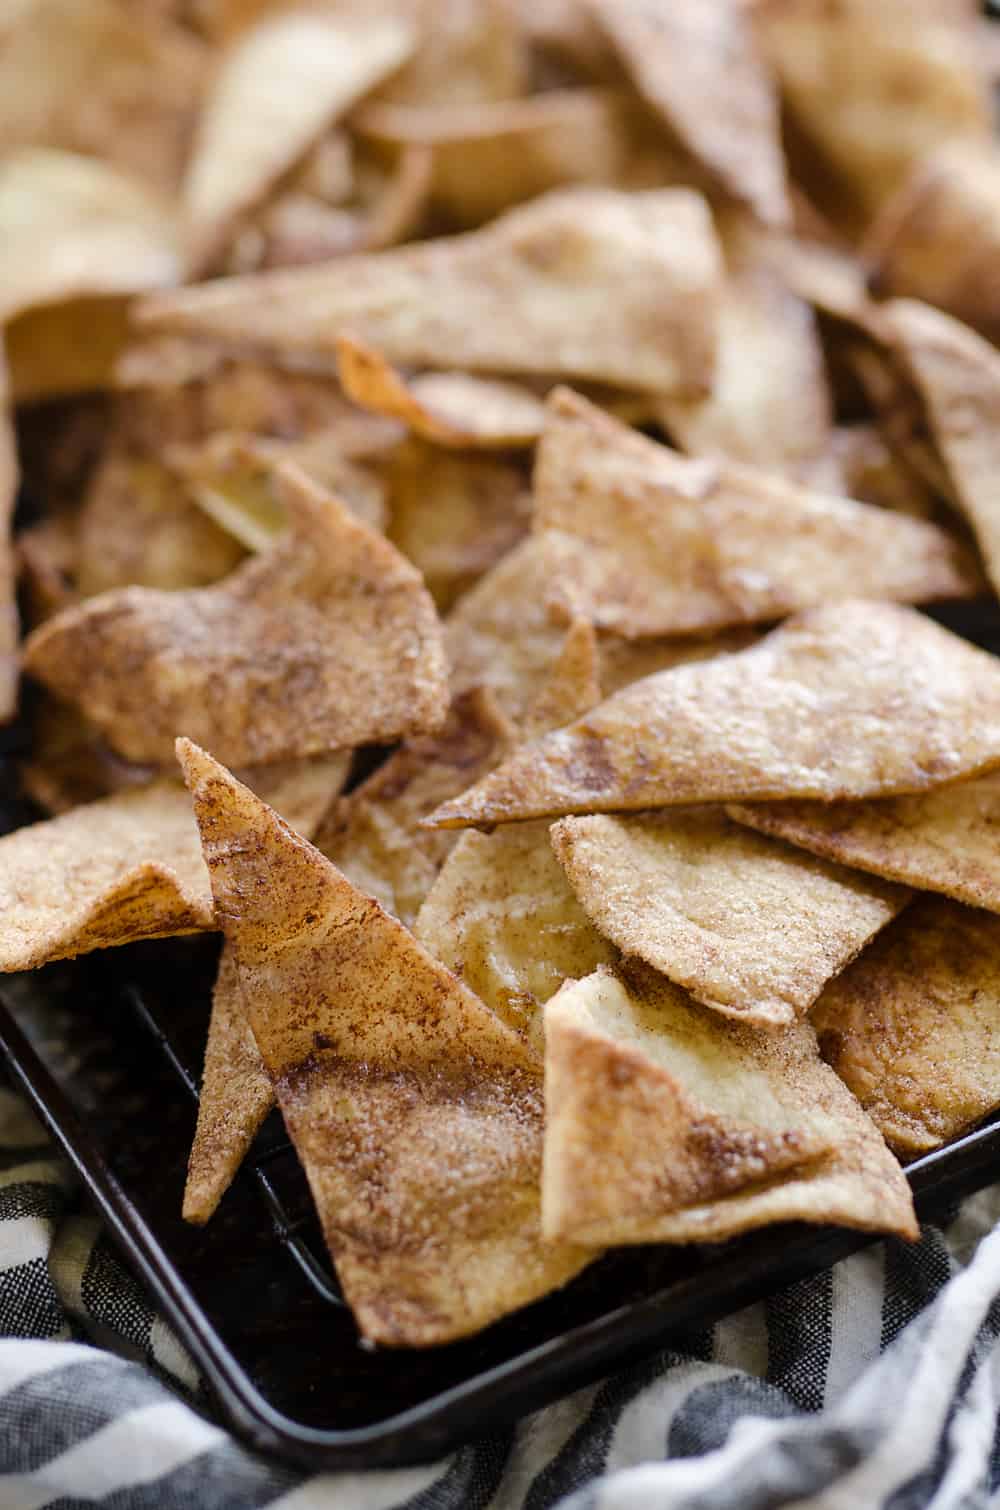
x=876 y=1384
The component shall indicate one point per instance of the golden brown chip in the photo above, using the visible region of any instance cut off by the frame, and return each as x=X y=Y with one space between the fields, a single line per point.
x=942 y=840
x=666 y=1124
x=453 y=514
x=911 y=1026
x=938 y=238
x=448 y=408
x=591 y=283
x=327 y=640
x=647 y=542
x=9 y=478
x=67 y=348
x=236 y=1096
x=874 y=88
x=373 y=835
x=127 y=867
x=698 y=66
x=416 y=1113
x=70 y=226
x=751 y=929
x=488 y=158
x=855 y=700
x=957 y=374
x=278 y=86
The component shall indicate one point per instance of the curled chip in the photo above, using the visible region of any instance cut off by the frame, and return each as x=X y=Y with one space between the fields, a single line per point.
x=416 y=1112
x=751 y=929
x=855 y=700
x=911 y=1026
x=590 y=283
x=666 y=1124
x=448 y=408
x=647 y=542
x=279 y=85
x=325 y=641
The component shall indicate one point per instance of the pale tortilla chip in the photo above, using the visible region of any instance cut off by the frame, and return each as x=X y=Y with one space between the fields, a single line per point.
x=648 y=542
x=938 y=239
x=666 y=1124
x=127 y=867
x=416 y=1113
x=454 y=514
x=71 y=226
x=591 y=283
x=958 y=376
x=855 y=700
x=751 y=929
x=911 y=1026
x=874 y=88
x=448 y=408
x=373 y=835
x=9 y=628
x=488 y=158
x=697 y=65
x=326 y=641
x=471 y=51
x=938 y=841
x=278 y=87
x=829 y=277
x=236 y=1096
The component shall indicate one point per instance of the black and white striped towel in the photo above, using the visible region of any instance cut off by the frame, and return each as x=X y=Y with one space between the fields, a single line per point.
x=876 y=1384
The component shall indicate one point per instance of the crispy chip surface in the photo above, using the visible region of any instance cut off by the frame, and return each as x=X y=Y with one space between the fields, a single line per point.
x=855 y=700
x=666 y=1124
x=327 y=640
x=747 y=928
x=620 y=288
x=417 y=1114
x=911 y=1026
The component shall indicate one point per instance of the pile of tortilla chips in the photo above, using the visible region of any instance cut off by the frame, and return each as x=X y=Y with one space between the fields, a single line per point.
x=502 y=451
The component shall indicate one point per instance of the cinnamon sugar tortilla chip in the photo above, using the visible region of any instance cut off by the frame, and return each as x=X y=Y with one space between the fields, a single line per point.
x=67 y=348
x=911 y=1026
x=666 y=1124
x=46 y=557
x=487 y=158
x=70 y=225
x=70 y=764
x=873 y=88
x=957 y=374
x=448 y=408
x=9 y=480
x=943 y=840
x=416 y=1113
x=751 y=929
x=874 y=475
x=624 y=661
x=855 y=700
x=127 y=867
x=471 y=51
x=278 y=86
x=373 y=836
x=454 y=514
x=327 y=640
x=572 y=686
x=585 y=282
x=698 y=67
x=649 y=542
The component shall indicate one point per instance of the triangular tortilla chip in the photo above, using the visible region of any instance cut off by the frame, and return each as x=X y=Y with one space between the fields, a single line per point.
x=454 y=514
x=649 y=542
x=943 y=841
x=591 y=283
x=911 y=1026
x=753 y=930
x=278 y=87
x=573 y=684
x=9 y=479
x=373 y=835
x=70 y=225
x=855 y=700
x=958 y=376
x=448 y=408
x=236 y=1096
x=327 y=640
x=666 y=1124
x=698 y=67
x=416 y=1113
x=488 y=158
x=126 y=867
